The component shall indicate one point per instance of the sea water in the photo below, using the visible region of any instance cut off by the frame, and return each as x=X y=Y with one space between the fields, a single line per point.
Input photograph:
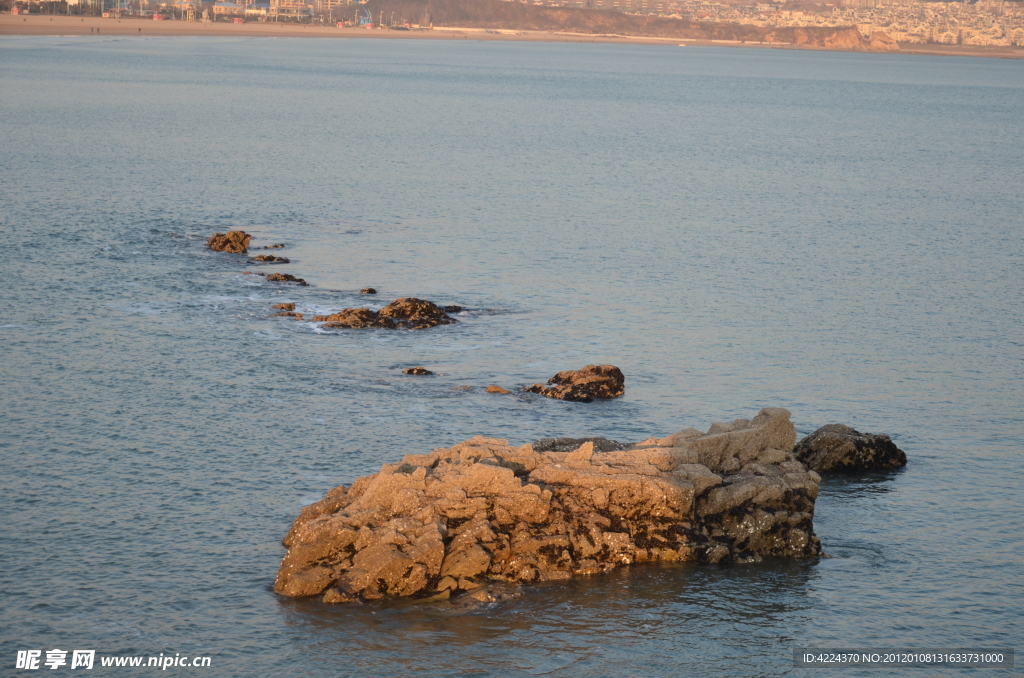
x=836 y=234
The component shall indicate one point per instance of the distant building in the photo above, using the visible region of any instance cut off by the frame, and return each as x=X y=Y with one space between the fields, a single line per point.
x=226 y=9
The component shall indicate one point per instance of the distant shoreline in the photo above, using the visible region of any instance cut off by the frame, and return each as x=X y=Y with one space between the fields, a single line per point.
x=60 y=26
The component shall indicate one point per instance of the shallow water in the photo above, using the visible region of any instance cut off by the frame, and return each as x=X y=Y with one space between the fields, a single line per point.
x=837 y=234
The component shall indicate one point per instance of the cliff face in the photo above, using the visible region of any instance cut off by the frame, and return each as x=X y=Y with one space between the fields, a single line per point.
x=497 y=14
x=481 y=511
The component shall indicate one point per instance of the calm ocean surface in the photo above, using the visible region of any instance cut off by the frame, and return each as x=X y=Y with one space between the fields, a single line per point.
x=837 y=234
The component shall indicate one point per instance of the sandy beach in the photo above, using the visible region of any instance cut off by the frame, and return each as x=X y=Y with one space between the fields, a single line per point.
x=38 y=24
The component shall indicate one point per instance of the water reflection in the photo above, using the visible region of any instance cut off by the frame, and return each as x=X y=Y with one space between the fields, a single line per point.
x=854 y=485
x=651 y=614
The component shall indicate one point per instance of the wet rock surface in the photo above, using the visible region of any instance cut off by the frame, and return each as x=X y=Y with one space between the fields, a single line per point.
x=236 y=242
x=837 y=448
x=405 y=313
x=570 y=444
x=482 y=512
x=367 y=290
x=593 y=381
x=417 y=370
x=497 y=389
x=269 y=259
x=287 y=306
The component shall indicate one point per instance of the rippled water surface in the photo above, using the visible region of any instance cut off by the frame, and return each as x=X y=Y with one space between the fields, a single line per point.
x=837 y=234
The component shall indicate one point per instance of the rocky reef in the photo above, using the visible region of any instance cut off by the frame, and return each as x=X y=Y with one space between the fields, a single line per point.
x=482 y=511
x=236 y=242
x=836 y=448
x=407 y=313
x=593 y=381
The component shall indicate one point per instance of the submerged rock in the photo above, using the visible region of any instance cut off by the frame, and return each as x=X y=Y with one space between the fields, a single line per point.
x=270 y=247
x=416 y=370
x=367 y=290
x=269 y=259
x=496 y=389
x=405 y=313
x=593 y=381
x=838 y=448
x=289 y=314
x=236 y=242
x=483 y=511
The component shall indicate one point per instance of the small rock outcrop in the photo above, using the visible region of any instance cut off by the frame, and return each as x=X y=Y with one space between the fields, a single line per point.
x=483 y=511
x=270 y=247
x=593 y=381
x=287 y=306
x=269 y=259
x=284 y=277
x=836 y=448
x=497 y=389
x=417 y=370
x=353 y=318
x=367 y=290
x=406 y=313
x=236 y=242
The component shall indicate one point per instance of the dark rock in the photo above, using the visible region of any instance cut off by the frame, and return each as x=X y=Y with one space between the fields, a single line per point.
x=460 y=519
x=570 y=444
x=453 y=309
x=236 y=242
x=367 y=290
x=593 y=381
x=416 y=370
x=270 y=247
x=284 y=307
x=289 y=314
x=836 y=448
x=268 y=259
x=285 y=277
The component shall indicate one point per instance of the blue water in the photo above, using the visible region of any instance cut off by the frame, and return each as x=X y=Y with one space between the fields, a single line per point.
x=837 y=234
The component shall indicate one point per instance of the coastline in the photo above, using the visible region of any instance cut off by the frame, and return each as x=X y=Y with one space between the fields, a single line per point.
x=66 y=26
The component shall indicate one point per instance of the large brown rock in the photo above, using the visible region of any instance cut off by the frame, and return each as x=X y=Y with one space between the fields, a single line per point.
x=482 y=511
x=415 y=314
x=236 y=242
x=836 y=448
x=405 y=313
x=593 y=381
